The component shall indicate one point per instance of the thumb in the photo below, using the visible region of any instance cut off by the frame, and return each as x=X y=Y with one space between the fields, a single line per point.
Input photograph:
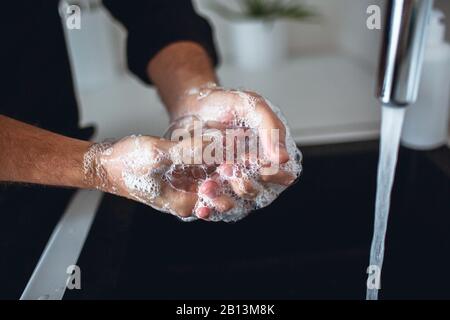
x=272 y=133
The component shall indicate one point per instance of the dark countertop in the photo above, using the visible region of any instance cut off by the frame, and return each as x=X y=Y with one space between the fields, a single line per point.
x=312 y=242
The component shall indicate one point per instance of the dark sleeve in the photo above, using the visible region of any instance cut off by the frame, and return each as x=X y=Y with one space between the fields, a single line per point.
x=154 y=24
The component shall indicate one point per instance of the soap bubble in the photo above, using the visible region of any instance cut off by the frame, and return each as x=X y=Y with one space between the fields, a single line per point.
x=243 y=168
x=220 y=144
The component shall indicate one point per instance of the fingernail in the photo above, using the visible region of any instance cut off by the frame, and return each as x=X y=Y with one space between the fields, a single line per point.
x=203 y=212
x=211 y=194
x=228 y=171
x=290 y=180
x=209 y=189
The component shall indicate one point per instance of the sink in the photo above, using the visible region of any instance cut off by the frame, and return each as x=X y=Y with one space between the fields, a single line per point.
x=313 y=242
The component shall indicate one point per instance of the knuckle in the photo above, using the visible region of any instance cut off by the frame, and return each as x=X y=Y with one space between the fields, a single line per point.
x=184 y=212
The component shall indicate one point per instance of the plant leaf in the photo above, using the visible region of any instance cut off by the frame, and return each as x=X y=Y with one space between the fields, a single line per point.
x=265 y=10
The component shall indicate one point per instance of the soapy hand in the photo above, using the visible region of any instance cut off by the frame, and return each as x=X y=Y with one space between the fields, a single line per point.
x=224 y=108
x=229 y=152
x=143 y=168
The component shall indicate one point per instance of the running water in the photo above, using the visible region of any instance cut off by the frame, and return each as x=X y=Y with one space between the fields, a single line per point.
x=391 y=128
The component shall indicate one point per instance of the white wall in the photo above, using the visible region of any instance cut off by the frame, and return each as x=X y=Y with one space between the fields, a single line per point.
x=444 y=5
x=340 y=28
x=311 y=37
x=354 y=38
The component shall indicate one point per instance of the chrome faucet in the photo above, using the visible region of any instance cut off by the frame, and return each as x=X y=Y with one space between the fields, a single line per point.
x=402 y=52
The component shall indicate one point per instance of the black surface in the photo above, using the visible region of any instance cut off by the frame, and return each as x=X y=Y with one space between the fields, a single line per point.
x=28 y=216
x=313 y=242
x=37 y=85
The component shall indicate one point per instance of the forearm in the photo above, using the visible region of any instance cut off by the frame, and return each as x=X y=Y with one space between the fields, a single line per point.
x=177 y=69
x=32 y=155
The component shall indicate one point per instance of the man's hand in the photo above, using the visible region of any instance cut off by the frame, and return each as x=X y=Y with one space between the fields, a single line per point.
x=141 y=168
x=221 y=109
x=134 y=167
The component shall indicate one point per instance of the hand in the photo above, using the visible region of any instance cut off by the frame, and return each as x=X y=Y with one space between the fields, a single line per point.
x=221 y=108
x=143 y=168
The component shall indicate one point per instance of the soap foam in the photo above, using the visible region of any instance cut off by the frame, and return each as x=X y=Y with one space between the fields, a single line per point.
x=141 y=172
x=267 y=192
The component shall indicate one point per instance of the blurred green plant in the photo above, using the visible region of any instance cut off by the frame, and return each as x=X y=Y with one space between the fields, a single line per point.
x=264 y=10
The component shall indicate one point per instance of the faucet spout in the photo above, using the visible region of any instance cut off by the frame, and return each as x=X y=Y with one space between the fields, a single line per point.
x=402 y=52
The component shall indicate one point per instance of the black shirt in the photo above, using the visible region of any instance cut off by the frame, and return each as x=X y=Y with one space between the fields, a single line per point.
x=37 y=84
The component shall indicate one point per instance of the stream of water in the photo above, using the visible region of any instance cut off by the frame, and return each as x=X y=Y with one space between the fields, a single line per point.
x=391 y=128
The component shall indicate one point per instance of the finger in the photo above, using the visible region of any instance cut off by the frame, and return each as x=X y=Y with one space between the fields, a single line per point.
x=203 y=213
x=272 y=133
x=242 y=186
x=282 y=177
x=223 y=203
x=211 y=190
x=179 y=202
x=185 y=178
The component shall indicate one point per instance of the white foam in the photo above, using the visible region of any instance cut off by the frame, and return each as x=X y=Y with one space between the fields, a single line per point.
x=267 y=192
x=141 y=170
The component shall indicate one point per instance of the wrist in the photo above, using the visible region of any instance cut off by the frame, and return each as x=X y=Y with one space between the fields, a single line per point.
x=177 y=68
x=94 y=173
x=187 y=102
x=104 y=163
x=64 y=166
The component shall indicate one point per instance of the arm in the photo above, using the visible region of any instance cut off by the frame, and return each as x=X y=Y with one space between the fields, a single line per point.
x=168 y=45
x=33 y=155
x=183 y=66
x=178 y=68
x=172 y=47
